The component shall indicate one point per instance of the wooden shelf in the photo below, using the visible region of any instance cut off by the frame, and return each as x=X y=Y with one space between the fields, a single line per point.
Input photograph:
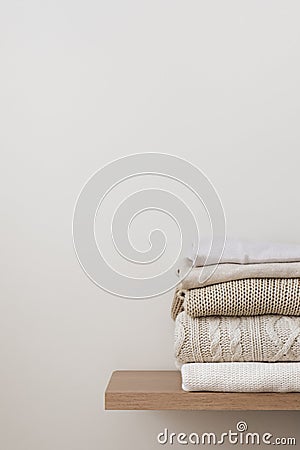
x=161 y=390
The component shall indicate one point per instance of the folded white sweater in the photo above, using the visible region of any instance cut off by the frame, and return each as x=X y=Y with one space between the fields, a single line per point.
x=241 y=377
x=244 y=252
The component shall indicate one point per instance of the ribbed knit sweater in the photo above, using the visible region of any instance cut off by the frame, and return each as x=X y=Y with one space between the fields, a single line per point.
x=247 y=297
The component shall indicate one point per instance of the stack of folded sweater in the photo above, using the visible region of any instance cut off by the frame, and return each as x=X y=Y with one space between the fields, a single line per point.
x=238 y=320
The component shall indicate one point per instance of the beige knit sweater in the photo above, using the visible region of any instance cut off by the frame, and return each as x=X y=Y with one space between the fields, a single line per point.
x=265 y=338
x=205 y=276
x=247 y=297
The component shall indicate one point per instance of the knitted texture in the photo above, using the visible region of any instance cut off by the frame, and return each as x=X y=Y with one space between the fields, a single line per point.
x=266 y=338
x=205 y=276
x=241 y=377
x=247 y=297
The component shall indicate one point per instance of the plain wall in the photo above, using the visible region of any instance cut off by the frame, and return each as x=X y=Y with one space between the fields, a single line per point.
x=85 y=82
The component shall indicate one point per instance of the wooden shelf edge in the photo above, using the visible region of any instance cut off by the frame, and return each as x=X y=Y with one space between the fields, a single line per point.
x=161 y=390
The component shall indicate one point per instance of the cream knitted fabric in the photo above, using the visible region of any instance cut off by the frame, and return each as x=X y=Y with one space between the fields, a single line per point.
x=248 y=297
x=241 y=377
x=205 y=276
x=218 y=339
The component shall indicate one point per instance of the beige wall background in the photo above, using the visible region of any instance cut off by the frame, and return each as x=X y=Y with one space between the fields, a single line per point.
x=83 y=83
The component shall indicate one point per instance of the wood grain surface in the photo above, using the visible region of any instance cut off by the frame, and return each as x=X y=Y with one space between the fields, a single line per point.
x=161 y=390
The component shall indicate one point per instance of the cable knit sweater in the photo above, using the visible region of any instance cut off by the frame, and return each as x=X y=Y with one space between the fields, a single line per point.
x=247 y=297
x=231 y=339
